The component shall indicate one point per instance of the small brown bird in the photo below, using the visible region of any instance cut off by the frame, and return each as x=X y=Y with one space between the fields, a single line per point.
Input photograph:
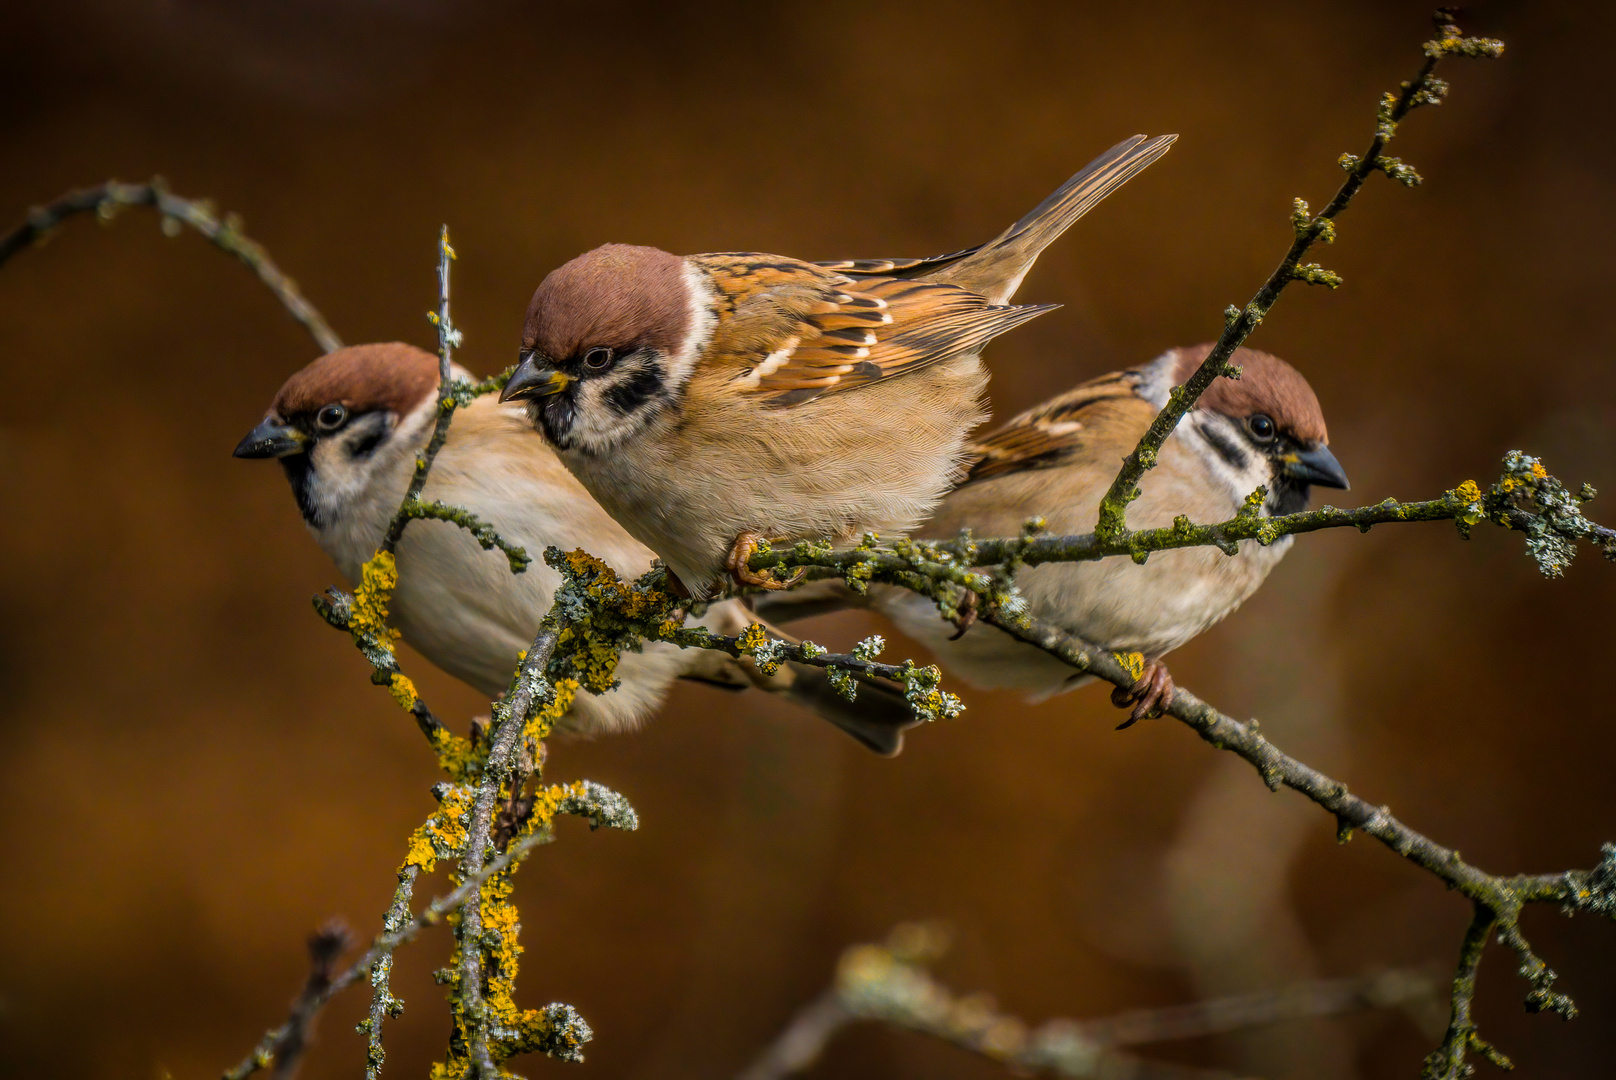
x=347 y=429
x=708 y=401
x=1057 y=460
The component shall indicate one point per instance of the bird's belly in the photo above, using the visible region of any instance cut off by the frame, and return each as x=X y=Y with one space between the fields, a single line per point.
x=1113 y=603
x=1152 y=608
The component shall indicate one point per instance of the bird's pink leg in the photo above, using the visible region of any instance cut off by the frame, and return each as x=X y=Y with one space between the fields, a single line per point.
x=741 y=552
x=1148 y=696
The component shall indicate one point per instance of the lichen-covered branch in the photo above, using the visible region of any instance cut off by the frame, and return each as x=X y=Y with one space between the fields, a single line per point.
x=364 y=613
x=482 y=532
x=484 y=807
x=591 y=801
x=920 y=683
x=889 y=983
x=108 y=199
x=383 y=1005
x=1525 y=499
x=529 y=690
x=1424 y=89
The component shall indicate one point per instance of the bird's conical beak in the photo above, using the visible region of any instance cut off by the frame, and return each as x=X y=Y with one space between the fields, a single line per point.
x=534 y=378
x=272 y=438
x=1317 y=466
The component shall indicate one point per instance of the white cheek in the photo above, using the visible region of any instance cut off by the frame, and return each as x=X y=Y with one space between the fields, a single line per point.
x=703 y=318
x=1238 y=482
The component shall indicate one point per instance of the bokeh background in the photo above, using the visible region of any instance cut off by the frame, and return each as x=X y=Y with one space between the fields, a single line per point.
x=196 y=771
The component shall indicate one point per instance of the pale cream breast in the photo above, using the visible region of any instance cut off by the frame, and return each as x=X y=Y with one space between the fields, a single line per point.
x=877 y=458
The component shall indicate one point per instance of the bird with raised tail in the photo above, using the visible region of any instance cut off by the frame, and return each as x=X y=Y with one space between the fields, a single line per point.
x=347 y=430
x=709 y=402
x=1056 y=461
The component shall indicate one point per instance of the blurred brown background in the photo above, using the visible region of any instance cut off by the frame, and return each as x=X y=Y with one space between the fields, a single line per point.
x=196 y=771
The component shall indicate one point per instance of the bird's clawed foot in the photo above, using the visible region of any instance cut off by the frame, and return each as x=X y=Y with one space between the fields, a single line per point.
x=1148 y=696
x=741 y=552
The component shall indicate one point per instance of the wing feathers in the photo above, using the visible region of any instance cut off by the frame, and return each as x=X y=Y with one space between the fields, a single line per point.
x=793 y=331
x=1103 y=410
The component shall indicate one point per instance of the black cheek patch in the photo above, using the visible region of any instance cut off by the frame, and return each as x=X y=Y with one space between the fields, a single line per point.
x=1289 y=497
x=633 y=392
x=300 y=473
x=1226 y=447
x=556 y=414
x=367 y=446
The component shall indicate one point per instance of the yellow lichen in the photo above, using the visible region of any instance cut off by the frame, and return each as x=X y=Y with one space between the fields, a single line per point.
x=1133 y=663
x=1467 y=492
x=513 y=1030
x=456 y=756
x=403 y=691
x=605 y=586
x=566 y=690
x=753 y=638
x=443 y=834
x=595 y=660
x=1539 y=471
x=377 y=580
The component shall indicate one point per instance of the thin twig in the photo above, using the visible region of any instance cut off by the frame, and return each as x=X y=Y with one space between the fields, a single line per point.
x=325 y=945
x=109 y=198
x=386 y=943
x=890 y=984
x=448 y=340
x=1497 y=900
x=383 y=1005
x=482 y=532
x=804 y=1039
x=1448 y=1060
x=1424 y=89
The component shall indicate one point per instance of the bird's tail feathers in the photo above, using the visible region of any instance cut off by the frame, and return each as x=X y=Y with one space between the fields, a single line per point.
x=996 y=268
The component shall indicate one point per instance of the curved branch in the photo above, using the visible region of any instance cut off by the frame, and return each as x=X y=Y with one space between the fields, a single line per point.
x=109 y=198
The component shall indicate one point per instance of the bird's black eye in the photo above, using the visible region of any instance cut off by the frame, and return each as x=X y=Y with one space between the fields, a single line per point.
x=331 y=417
x=598 y=359
x=1261 y=428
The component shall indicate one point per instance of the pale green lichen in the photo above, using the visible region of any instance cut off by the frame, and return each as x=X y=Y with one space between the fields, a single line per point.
x=870 y=648
x=923 y=693
x=766 y=652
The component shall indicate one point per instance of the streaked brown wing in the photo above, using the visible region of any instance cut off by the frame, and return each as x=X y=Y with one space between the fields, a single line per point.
x=901 y=268
x=796 y=331
x=1101 y=411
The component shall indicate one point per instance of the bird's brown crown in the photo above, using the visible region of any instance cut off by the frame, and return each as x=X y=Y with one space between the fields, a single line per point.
x=621 y=296
x=392 y=376
x=1266 y=385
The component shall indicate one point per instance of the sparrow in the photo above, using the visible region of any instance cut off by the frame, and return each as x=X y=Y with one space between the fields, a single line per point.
x=1055 y=461
x=347 y=429
x=711 y=402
